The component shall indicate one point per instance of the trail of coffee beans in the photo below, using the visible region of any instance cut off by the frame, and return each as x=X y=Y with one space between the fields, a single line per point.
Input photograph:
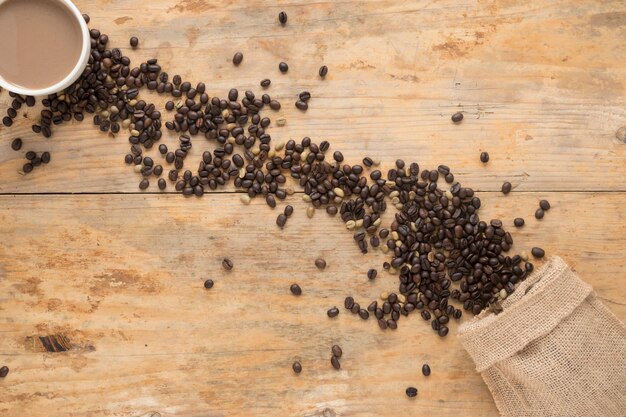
x=439 y=248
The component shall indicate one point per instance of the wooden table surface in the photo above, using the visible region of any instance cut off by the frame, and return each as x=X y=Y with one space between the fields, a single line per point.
x=116 y=275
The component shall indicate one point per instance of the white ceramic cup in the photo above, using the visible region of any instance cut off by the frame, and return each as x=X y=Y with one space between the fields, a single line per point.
x=76 y=71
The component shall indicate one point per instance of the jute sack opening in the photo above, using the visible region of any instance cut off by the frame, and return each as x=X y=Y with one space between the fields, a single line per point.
x=555 y=350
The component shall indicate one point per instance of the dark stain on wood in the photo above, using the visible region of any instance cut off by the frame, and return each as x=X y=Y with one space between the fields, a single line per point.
x=55 y=343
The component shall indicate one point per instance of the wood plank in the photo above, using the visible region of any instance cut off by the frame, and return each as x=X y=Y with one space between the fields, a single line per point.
x=120 y=278
x=540 y=86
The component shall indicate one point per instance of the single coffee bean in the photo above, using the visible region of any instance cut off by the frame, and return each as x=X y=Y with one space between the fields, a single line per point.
x=333 y=312
x=208 y=284
x=266 y=83
x=538 y=252
x=545 y=205
x=411 y=392
x=45 y=157
x=443 y=331
x=335 y=362
x=304 y=96
x=320 y=263
x=371 y=274
x=337 y=352
x=297 y=367
x=282 y=18
x=364 y=314
x=506 y=188
x=281 y=220
x=283 y=67
x=302 y=105
x=484 y=157
x=392 y=324
x=87 y=18
x=227 y=264
x=348 y=303
x=7 y=121
x=16 y=145
x=539 y=214
x=323 y=71
x=4 y=371
x=457 y=117
x=28 y=167
x=425 y=369
x=134 y=42
x=144 y=184
x=519 y=222
x=373 y=306
x=288 y=210
x=237 y=58
x=295 y=289
x=162 y=184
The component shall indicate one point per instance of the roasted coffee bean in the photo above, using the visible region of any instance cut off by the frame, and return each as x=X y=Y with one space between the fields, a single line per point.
x=506 y=188
x=4 y=371
x=283 y=67
x=443 y=331
x=16 y=144
x=288 y=210
x=162 y=184
x=302 y=105
x=323 y=71
x=539 y=213
x=411 y=392
x=457 y=117
x=297 y=367
x=355 y=308
x=11 y=112
x=538 y=252
x=364 y=314
x=337 y=352
x=320 y=263
x=282 y=18
x=134 y=42
x=28 y=167
x=335 y=362
x=545 y=205
x=295 y=289
x=208 y=284
x=519 y=222
x=371 y=274
x=304 y=96
x=86 y=18
x=373 y=306
x=45 y=157
x=275 y=105
x=144 y=184
x=237 y=58
x=227 y=264
x=425 y=369
x=333 y=312
x=266 y=83
x=281 y=220
x=392 y=324
x=348 y=303
x=7 y=121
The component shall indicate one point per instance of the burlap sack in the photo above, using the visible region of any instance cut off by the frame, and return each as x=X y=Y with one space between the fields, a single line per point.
x=555 y=350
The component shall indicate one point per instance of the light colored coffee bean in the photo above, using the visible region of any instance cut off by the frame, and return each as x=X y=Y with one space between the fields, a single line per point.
x=350 y=224
x=310 y=212
x=338 y=192
x=245 y=199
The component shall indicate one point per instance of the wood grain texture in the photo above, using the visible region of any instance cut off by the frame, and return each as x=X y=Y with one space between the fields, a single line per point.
x=542 y=86
x=121 y=277
x=118 y=278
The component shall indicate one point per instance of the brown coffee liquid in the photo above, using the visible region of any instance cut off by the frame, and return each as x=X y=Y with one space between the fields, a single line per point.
x=40 y=42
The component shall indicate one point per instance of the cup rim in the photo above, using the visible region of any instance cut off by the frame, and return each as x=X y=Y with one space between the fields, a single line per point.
x=76 y=71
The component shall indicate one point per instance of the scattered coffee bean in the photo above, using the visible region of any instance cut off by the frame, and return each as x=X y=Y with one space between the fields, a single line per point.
x=237 y=58
x=208 y=284
x=86 y=18
x=320 y=263
x=295 y=289
x=134 y=42
x=506 y=188
x=333 y=312
x=302 y=105
x=283 y=67
x=28 y=167
x=538 y=252
x=144 y=184
x=411 y=392
x=364 y=314
x=348 y=303
x=337 y=352
x=266 y=83
x=539 y=213
x=4 y=371
x=335 y=362
x=323 y=71
x=519 y=222
x=297 y=367
x=281 y=220
x=282 y=18
x=288 y=210
x=16 y=145
x=425 y=369
x=457 y=117
x=371 y=274
x=443 y=331
x=45 y=157
x=162 y=184
x=227 y=264
x=484 y=157
x=545 y=205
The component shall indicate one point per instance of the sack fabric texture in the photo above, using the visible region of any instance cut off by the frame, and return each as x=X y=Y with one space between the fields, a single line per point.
x=554 y=350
